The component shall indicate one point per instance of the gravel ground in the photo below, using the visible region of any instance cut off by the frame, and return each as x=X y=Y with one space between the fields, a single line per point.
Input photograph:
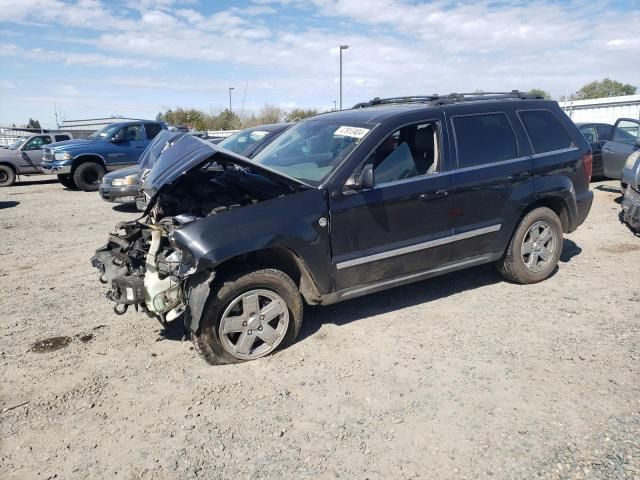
x=462 y=376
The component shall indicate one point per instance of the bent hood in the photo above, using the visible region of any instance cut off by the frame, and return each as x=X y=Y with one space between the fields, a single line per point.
x=189 y=153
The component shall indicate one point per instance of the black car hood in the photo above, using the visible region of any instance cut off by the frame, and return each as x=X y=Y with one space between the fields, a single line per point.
x=189 y=153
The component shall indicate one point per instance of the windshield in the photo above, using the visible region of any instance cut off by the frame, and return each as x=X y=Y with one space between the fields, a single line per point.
x=241 y=141
x=105 y=132
x=16 y=144
x=310 y=150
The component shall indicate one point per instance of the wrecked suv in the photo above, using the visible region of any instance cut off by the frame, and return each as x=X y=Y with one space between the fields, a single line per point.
x=345 y=204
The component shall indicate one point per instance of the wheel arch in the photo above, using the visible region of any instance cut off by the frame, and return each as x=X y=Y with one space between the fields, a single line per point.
x=279 y=258
x=11 y=166
x=85 y=158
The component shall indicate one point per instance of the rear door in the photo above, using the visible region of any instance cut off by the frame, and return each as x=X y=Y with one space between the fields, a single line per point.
x=400 y=226
x=625 y=141
x=494 y=165
x=30 y=156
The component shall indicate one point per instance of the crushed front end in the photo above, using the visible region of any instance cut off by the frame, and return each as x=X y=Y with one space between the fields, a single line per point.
x=143 y=269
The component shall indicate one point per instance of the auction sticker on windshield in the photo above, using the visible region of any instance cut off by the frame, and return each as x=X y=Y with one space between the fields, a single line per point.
x=354 y=132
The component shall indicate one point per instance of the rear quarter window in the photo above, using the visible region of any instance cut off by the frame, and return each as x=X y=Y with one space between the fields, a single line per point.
x=545 y=131
x=484 y=138
x=62 y=138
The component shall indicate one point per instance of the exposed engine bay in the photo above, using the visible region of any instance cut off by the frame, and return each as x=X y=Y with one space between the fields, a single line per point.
x=141 y=262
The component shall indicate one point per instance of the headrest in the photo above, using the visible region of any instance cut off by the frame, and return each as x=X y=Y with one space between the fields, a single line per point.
x=424 y=139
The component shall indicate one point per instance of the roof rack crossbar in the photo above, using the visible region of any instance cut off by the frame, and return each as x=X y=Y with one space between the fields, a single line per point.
x=437 y=99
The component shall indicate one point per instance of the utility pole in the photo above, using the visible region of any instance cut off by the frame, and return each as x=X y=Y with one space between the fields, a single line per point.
x=230 y=110
x=342 y=47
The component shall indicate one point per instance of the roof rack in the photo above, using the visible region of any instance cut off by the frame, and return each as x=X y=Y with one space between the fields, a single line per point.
x=436 y=99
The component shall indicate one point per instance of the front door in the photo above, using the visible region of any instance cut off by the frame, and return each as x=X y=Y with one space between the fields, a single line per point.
x=625 y=141
x=401 y=225
x=129 y=149
x=30 y=155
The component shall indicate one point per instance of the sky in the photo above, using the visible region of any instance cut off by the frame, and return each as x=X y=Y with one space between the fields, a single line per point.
x=97 y=58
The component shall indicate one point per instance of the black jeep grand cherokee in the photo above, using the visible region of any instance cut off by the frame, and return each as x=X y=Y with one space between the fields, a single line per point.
x=346 y=204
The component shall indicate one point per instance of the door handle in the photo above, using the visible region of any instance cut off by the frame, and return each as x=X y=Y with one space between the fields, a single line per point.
x=519 y=176
x=425 y=197
x=606 y=150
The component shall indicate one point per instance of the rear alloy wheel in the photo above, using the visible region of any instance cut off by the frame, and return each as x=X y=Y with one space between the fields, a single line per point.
x=249 y=316
x=67 y=181
x=7 y=176
x=88 y=176
x=534 y=250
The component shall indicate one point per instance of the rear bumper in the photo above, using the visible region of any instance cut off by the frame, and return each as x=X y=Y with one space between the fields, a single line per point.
x=631 y=208
x=583 y=206
x=56 y=167
x=125 y=194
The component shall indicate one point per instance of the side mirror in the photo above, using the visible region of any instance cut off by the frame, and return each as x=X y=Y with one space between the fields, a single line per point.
x=364 y=181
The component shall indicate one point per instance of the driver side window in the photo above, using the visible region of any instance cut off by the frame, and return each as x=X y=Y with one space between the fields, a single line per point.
x=36 y=143
x=410 y=151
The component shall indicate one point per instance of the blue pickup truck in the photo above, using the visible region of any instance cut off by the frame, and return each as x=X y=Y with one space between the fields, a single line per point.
x=82 y=163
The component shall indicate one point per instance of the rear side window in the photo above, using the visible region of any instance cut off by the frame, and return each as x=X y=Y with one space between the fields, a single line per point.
x=62 y=138
x=589 y=133
x=152 y=130
x=545 y=131
x=484 y=138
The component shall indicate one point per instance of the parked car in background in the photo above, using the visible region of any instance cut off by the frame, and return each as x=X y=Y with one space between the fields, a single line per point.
x=251 y=140
x=123 y=185
x=630 y=186
x=625 y=140
x=82 y=163
x=596 y=134
x=24 y=156
x=344 y=204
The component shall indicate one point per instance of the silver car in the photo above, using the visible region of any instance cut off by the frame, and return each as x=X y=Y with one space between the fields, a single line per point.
x=625 y=140
x=630 y=186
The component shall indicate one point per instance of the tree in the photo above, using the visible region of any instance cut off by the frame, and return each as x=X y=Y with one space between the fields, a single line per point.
x=298 y=114
x=605 y=88
x=33 y=123
x=541 y=93
x=159 y=117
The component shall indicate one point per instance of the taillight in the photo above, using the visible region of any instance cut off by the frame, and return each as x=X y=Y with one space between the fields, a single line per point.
x=587 y=164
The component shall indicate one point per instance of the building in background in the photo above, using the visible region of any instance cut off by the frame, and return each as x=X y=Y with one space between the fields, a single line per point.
x=603 y=110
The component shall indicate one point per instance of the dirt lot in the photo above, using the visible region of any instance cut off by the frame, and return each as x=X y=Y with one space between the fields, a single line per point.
x=462 y=376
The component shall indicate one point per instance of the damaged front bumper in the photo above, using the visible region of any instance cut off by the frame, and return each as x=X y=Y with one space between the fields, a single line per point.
x=143 y=269
x=631 y=208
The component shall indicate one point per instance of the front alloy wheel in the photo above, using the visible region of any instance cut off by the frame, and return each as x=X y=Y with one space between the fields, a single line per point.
x=247 y=316
x=254 y=324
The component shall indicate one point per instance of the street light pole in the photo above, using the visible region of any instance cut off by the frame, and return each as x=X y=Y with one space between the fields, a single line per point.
x=230 y=110
x=342 y=47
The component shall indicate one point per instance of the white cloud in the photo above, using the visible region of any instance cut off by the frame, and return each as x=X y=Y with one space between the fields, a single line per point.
x=396 y=46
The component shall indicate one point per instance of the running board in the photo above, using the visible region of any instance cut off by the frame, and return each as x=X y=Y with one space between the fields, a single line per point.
x=358 y=291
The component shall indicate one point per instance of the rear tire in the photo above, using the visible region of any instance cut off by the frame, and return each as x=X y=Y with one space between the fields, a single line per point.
x=7 y=176
x=67 y=182
x=87 y=176
x=229 y=303
x=534 y=250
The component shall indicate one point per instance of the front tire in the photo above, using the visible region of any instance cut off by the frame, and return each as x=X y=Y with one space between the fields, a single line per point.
x=7 y=176
x=88 y=176
x=534 y=250
x=67 y=182
x=249 y=316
